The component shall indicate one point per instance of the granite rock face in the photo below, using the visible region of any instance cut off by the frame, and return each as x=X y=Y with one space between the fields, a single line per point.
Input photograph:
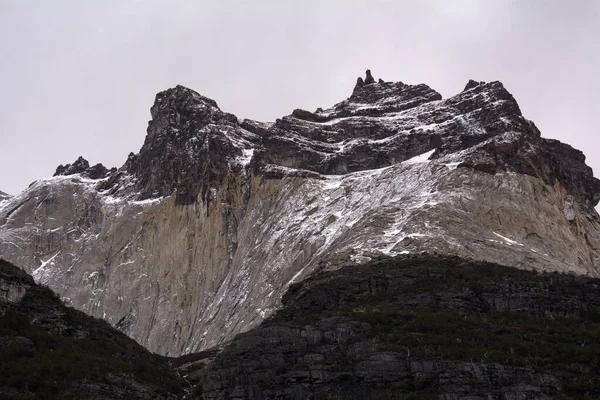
x=197 y=237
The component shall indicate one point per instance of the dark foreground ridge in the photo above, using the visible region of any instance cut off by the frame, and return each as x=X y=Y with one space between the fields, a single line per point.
x=50 y=351
x=418 y=328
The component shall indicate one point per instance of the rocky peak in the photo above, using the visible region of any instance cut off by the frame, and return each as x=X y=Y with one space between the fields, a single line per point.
x=79 y=166
x=189 y=146
x=383 y=123
x=471 y=84
x=395 y=96
x=82 y=166
x=369 y=78
x=179 y=105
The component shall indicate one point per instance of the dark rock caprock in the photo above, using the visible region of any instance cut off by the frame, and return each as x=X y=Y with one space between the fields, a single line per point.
x=80 y=165
x=369 y=79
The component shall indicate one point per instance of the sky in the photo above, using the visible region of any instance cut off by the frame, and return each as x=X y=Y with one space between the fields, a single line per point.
x=79 y=77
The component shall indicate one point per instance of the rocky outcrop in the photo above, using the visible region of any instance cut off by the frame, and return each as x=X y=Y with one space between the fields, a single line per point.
x=417 y=327
x=52 y=351
x=189 y=148
x=369 y=79
x=81 y=166
x=197 y=237
x=472 y=84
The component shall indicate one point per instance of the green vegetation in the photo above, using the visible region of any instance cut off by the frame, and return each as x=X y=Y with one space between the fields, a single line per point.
x=55 y=363
x=568 y=349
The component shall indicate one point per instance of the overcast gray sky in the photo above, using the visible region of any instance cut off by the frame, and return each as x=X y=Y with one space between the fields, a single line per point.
x=79 y=77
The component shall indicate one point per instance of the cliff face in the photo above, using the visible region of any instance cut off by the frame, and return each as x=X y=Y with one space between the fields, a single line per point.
x=197 y=237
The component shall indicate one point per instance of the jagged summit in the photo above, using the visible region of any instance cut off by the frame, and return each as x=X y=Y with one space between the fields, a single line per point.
x=181 y=102
x=389 y=96
x=191 y=144
x=368 y=80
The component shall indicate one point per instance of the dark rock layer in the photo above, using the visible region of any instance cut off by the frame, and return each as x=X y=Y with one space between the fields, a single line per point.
x=418 y=327
x=185 y=149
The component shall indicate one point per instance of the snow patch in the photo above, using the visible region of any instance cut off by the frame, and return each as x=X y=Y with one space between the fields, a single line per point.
x=39 y=272
x=246 y=157
x=453 y=165
x=507 y=240
x=421 y=158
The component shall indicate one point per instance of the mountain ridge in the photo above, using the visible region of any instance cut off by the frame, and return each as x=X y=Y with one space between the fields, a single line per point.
x=178 y=104
x=204 y=229
x=417 y=327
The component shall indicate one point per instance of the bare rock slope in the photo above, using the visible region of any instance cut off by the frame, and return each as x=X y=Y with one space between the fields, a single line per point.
x=198 y=236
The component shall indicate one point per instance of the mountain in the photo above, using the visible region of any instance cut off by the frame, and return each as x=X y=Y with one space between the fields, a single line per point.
x=197 y=237
x=50 y=351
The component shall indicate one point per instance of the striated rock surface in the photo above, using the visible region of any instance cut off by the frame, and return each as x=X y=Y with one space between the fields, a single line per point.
x=417 y=328
x=197 y=237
